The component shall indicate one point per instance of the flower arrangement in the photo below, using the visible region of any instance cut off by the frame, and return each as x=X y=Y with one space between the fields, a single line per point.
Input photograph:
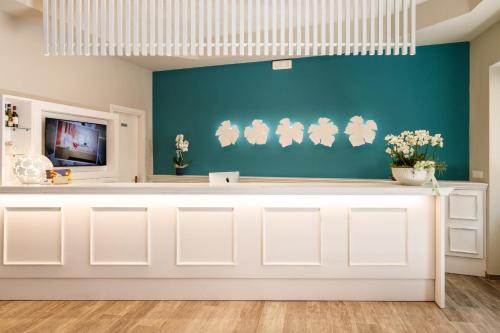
x=181 y=147
x=415 y=149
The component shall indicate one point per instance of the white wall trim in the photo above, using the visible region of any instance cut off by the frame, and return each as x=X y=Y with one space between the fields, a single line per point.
x=474 y=216
x=476 y=239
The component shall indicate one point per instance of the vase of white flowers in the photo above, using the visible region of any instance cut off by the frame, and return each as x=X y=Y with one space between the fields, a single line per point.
x=181 y=147
x=413 y=155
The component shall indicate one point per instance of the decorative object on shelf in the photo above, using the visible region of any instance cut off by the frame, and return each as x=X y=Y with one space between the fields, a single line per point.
x=31 y=169
x=181 y=146
x=323 y=132
x=228 y=134
x=257 y=133
x=361 y=132
x=288 y=133
x=60 y=176
x=413 y=155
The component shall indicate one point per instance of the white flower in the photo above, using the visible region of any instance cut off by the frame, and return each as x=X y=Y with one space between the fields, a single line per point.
x=323 y=133
x=257 y=133
x=179 y=138
x=228 y=134
x=361 y=132
x=437 y=140
x=422 y=165
x=289 y=133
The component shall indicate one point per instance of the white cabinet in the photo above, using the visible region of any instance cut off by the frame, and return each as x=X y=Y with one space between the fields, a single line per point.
x=465 y=230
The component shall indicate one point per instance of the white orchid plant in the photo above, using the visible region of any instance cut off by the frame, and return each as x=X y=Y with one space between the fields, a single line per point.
x=415 y=149
x=181 y=147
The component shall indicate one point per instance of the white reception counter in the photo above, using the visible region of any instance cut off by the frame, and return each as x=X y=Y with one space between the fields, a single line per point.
x=345 y=240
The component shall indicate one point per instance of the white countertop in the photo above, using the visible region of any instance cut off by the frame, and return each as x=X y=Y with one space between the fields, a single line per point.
x=330 y=187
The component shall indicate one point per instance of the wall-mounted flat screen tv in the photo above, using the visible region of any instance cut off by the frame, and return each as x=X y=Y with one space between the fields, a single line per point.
x=71 y=143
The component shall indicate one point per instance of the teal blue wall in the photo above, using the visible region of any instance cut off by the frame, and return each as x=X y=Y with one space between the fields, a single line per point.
x=426 y=91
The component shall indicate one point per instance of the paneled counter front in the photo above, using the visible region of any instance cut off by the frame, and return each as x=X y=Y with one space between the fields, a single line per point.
x=351 y=240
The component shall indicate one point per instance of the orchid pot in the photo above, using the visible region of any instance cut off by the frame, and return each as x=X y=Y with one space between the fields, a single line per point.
x=411 y=176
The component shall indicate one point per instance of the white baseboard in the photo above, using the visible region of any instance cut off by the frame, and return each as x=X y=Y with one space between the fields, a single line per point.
x=217 y=289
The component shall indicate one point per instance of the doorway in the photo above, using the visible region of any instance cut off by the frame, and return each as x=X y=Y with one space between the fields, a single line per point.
x=132 y=141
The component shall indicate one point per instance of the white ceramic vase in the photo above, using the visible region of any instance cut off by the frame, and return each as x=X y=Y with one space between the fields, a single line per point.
x=412 y=177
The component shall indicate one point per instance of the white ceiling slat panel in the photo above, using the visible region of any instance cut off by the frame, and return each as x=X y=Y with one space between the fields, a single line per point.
x=103 y=16
x=413 y=29
x=314 y=27
x=128 y=30
x=290 y=27
x=225 y=10
x=242 y=27
x=233 y=27
x=95 y=27
x=356 y=27
x=250 y=28
x=373 y=41
x=62 y=27
x=160 y=28
x=306 y=30
x=388 y=28
x=185 y=4
x=152 y=27
x=177 y=27
x=405 y=28
x=111 y=27
x=274 y=16
x=201 y=28
x=364 y=28
x=282 y=27
x=348 y=27
x=229 y=27
x=78 y=27
x=298 y=29
x=380 y=44
x=323 y=27
x=136 y=22
x=209 y=27
x=331 y=23
x=217 y=27
x=397 y=8
x=70 y=28
x=340 y=20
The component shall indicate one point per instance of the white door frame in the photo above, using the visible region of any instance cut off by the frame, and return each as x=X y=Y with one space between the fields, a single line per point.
x=141 y=116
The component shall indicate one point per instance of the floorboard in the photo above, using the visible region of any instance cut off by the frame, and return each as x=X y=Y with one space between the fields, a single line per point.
x=473 y=306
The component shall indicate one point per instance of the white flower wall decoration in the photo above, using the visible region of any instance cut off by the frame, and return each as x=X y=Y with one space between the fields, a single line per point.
x=323 y=132
x=361 y=132
x=289 y=133
x=228 y=134
x=257 y=133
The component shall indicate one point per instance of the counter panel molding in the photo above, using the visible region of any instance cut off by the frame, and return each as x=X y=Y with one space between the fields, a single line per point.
x=33 y=236
x=378 y=237
x=119 y=236
x=206 y=236
x=463 y=206
x=283 y=229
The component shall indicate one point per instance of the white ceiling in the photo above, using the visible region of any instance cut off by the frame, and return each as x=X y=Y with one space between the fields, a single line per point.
x=438 y=21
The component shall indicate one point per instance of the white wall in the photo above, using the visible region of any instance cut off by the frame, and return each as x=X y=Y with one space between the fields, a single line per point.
x=485 y=52
x=92 y=82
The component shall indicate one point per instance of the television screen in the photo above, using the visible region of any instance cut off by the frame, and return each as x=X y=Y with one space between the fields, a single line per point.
x=74 y=143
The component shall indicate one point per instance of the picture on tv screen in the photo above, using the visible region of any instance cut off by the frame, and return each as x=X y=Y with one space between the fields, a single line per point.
x=74 y=143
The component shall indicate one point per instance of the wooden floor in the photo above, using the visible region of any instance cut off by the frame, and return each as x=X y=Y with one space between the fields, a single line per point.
x=473 y=306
